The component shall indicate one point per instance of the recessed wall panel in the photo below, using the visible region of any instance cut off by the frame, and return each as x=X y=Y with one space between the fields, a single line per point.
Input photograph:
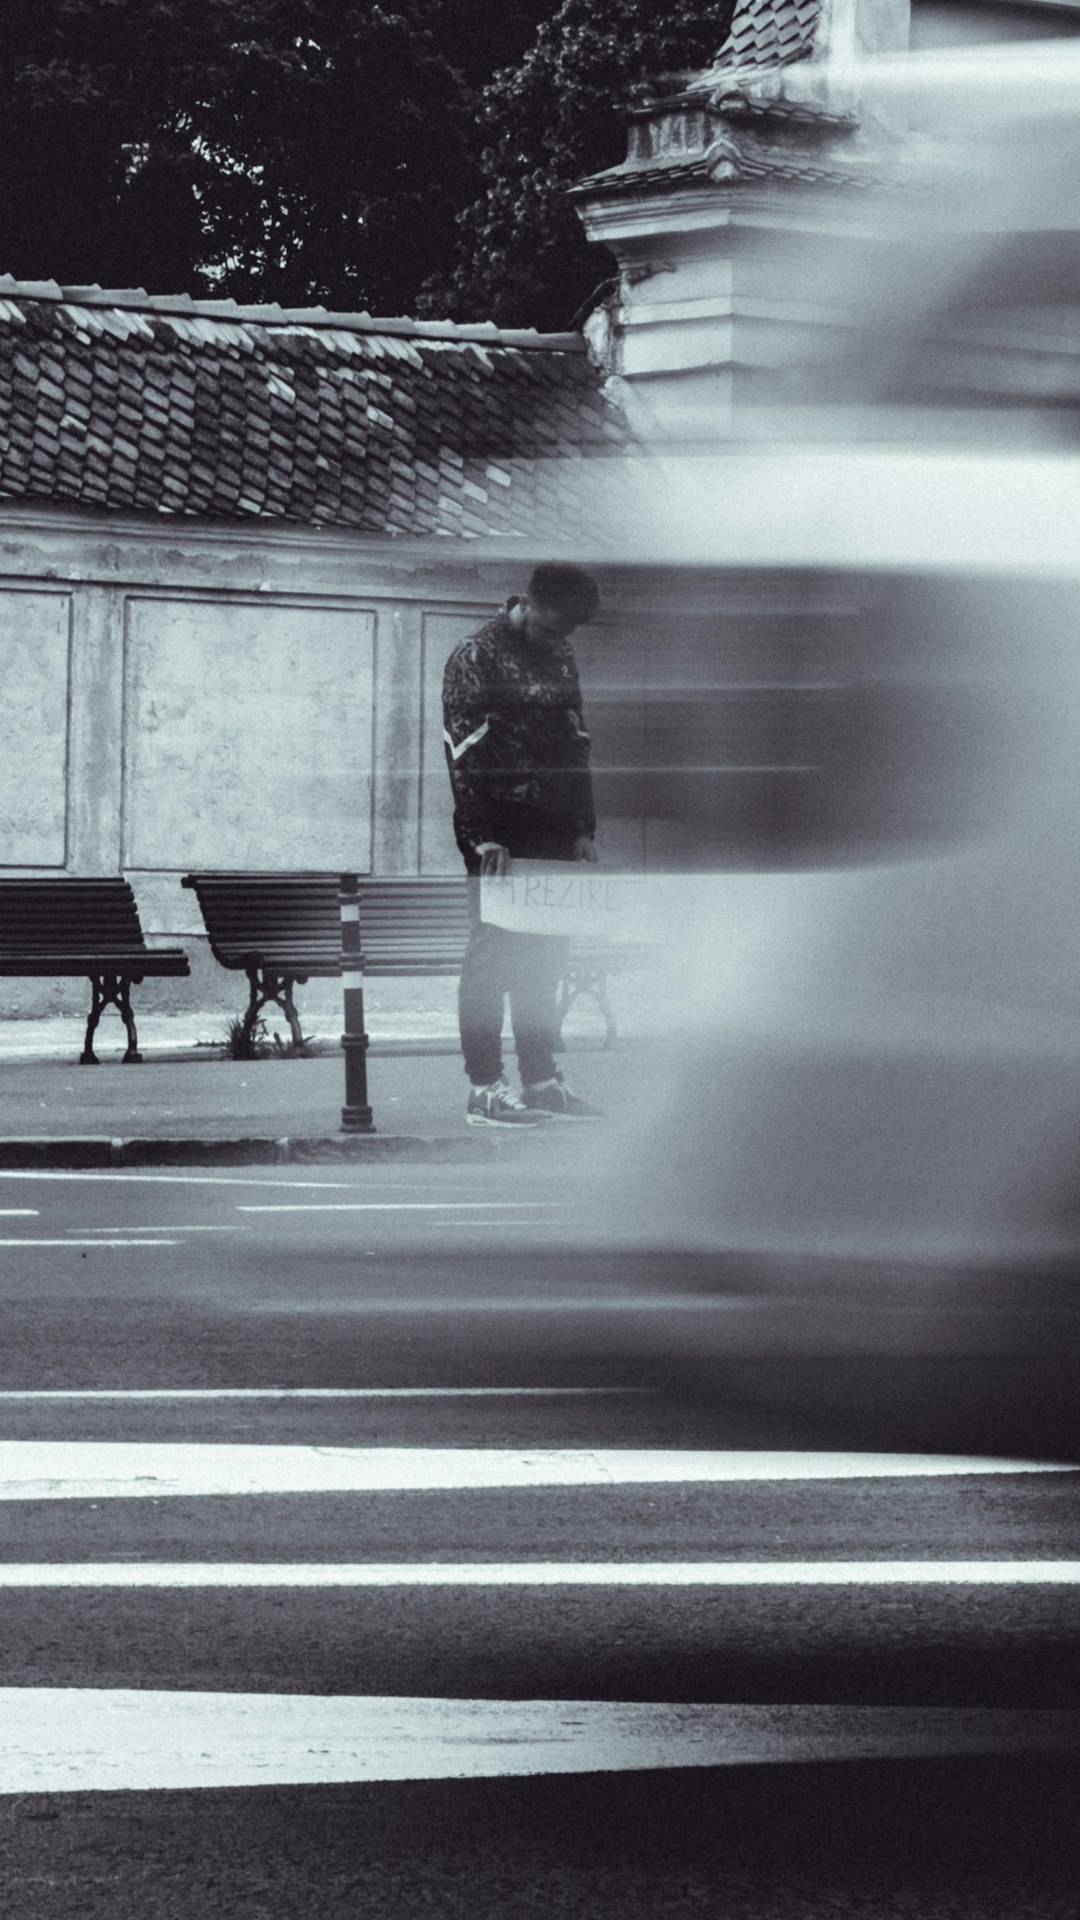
x=34 y=671
x=247 y=734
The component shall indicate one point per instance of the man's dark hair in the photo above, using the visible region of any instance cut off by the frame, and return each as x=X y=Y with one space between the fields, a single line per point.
x=569 y=590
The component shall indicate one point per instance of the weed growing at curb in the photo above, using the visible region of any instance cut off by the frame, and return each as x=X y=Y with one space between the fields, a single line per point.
x=258 y=1044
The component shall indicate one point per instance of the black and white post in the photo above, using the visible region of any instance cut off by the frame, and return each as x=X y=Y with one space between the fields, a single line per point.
x=356 y=1113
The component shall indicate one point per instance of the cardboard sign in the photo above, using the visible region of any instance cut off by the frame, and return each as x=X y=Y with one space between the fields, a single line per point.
x=566 y=897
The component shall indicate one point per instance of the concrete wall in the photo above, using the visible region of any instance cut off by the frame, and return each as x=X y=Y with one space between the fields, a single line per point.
x=189 y=694
x=198 y=695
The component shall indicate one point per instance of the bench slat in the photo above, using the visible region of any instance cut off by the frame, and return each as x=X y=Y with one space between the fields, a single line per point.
x=137 y=962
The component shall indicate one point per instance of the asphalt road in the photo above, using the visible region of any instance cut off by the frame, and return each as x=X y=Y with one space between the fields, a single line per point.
x=373 y=1545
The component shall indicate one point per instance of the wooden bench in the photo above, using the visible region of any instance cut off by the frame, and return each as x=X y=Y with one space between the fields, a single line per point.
x=71 y=925
x=282 y=929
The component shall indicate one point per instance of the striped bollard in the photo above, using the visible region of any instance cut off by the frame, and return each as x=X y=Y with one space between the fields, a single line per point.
x=356 y=1113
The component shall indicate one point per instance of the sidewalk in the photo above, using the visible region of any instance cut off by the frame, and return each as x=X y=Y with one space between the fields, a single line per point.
x=192 y=1107
x=187 y=1103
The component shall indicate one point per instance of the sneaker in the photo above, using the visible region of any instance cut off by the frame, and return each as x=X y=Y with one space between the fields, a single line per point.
x=499 y=1106
x=555 y=1098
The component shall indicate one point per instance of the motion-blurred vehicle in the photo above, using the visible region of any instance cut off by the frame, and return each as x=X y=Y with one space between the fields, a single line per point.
x=856 y=765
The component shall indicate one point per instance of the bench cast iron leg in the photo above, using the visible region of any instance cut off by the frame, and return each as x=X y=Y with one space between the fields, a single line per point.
x=593 y=981
x=123 y=1006
x=266 y=988
x=562 y=1006
x=288 y=1008
x=88 y=1058
x=271 y=989
x=600 y=993
x=110 y=990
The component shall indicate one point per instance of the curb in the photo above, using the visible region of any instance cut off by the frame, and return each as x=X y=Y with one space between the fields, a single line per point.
x=100 y=1151
x=194 y=1055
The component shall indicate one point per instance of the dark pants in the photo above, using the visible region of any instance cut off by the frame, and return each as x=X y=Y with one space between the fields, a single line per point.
x=528 y=967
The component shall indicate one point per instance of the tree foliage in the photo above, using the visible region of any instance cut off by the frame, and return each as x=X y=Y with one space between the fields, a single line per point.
x=546 y=122
x=398 y=155
x=291 y=150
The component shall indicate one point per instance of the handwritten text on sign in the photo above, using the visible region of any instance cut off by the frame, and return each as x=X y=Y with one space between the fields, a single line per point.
x=557 y=897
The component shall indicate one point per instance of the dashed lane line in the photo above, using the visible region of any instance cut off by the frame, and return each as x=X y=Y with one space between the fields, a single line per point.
x=71 y=1469
x=365 y=1181
x=143 y=1179
x=404 y=1206
x=406 y=1305
x=68 y=1240
x=72 y=1739
x=123 y=1394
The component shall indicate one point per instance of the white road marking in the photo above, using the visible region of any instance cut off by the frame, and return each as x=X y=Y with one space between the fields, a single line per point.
x=364 y=1178
x=558 y=1304
x=178 y=1227
x=473 y=1226
x=448 y=1183
x=304 y=1393
x=73 y=1739
x=109 y=1469
x=19 y=1213
x=141 y=1179
x=68 y=1241
x=540 y=1573
x=401 y=1206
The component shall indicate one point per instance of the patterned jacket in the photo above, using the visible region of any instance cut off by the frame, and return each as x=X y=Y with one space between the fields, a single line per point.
x=516 y=748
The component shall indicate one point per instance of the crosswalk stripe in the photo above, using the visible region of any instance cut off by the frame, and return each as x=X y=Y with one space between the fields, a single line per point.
x=74 y=1739
x=71 y=1469
x=541 y=1573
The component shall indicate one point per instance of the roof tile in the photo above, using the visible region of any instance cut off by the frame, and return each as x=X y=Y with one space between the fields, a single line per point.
x=770 y=33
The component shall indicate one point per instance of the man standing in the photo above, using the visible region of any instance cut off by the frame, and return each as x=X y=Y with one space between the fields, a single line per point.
x=518 y=756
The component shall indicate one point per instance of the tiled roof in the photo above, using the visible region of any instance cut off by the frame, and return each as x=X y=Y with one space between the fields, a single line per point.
x=677 y=172
x=770 y=33
x=796 y=170
x=736 y=163
x=795 y=116
x=201 y=407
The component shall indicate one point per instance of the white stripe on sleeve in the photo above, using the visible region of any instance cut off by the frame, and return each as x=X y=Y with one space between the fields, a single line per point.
x=470 y=740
